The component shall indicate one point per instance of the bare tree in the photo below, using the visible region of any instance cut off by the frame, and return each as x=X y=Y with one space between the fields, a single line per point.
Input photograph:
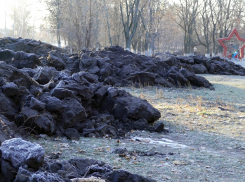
x=117 y=32
x=130 y=18
x=79 y=21
x=21 y=17
x=107 y=21
x=54 y=7
x=203 y=25
x=185 y=16
x=214 y=18
x=152 y=18
x=145 y=25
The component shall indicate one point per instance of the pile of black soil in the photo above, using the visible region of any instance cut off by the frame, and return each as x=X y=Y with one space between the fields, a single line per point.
x=44 y=90
x=42 y=96
x=49 y=91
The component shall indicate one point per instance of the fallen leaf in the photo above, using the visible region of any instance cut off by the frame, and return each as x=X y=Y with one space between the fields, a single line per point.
x=74 y=141
x=176 y=162
x=134 y=158
x=82 y=151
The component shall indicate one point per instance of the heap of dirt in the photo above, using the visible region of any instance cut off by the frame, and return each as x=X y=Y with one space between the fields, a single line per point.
x=68 y=104
x=28 y=46
x=42 y=96
x=202 y=65
x=48 y=91
x=51 y=92
x=118 y=67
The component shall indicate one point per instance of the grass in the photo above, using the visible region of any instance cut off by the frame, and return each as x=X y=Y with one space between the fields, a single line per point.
x=210 y=123
x=197 y=108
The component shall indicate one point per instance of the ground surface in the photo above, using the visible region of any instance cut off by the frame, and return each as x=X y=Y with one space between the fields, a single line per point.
x=242 y=62
x=206 y=141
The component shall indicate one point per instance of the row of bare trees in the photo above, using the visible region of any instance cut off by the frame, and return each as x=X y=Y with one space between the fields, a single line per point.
x=205 y=21
x=140 y=25
x=20 y=16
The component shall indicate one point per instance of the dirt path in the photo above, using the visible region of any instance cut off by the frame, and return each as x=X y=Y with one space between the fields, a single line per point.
x=206 y=140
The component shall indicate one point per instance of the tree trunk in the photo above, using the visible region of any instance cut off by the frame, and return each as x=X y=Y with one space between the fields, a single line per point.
x=58 y=23
x=128 y=43
x=130 y=23
x=108 y=24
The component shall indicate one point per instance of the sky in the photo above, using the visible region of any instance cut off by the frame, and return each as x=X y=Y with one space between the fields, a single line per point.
x=38 y=11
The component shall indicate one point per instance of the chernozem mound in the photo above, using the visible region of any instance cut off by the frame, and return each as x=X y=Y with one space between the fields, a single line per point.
x=42 y=93
x=45 y=90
